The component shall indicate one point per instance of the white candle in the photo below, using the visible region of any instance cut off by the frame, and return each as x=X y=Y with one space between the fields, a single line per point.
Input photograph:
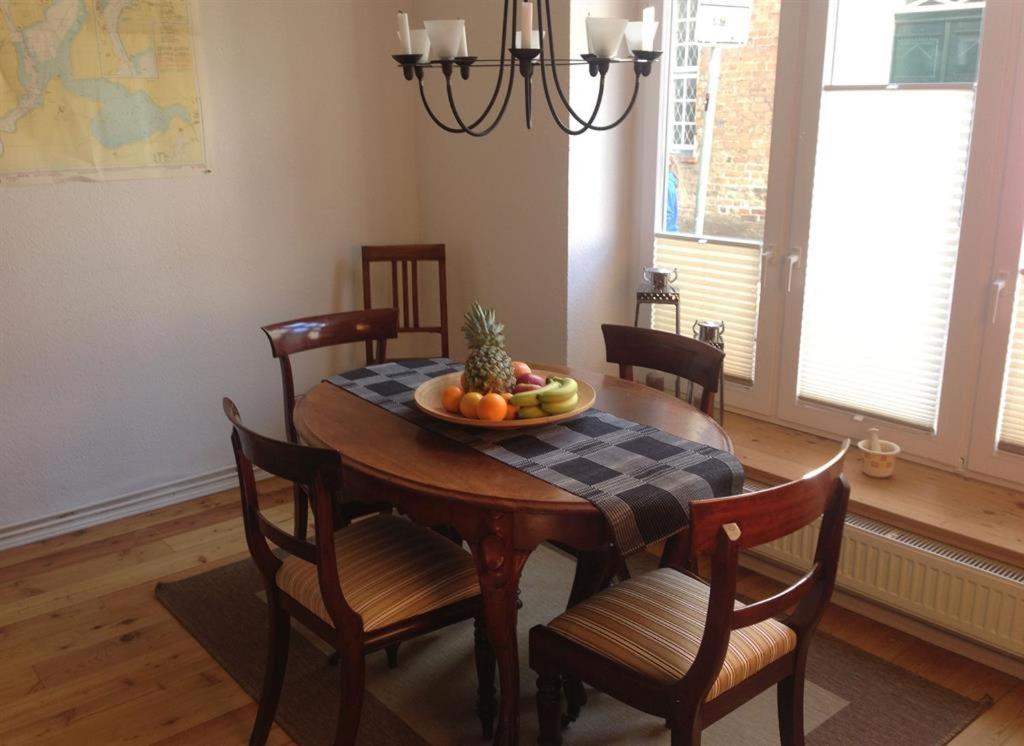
x=650 y=28
x=526 y=22
x=464 y=44
x=404 y=40
x=590 y=39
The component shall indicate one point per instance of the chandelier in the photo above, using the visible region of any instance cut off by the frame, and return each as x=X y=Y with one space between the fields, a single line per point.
x=443 y=45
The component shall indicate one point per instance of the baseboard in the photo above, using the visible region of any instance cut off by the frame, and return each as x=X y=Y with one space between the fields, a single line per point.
x=946 y=640
x=111 y=509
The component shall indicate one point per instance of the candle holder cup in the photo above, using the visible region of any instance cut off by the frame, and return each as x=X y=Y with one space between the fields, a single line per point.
x=408 y=63
x=597 y=65
x=464 y=64
x=525 y=56
x=643 y=61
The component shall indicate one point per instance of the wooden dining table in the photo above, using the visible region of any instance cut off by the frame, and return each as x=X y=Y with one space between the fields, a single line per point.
x=502 y=513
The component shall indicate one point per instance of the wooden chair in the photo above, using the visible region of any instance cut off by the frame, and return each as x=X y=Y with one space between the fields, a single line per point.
x=409 y=258
x=336 y=586
x=311 y=333
x=669 y=644
x=691 y=359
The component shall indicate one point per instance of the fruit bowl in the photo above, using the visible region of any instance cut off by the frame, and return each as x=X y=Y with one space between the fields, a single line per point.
x=428 y=400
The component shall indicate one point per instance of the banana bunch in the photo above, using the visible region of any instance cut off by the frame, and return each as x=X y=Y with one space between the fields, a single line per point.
x=558 y=396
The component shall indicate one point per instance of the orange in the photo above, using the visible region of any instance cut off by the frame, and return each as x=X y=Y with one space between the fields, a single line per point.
x=492 y=408
x=510 y=414
x=468 y=404
x=450 y=398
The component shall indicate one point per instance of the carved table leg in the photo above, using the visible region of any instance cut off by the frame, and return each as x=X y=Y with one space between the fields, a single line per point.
x=498 y=567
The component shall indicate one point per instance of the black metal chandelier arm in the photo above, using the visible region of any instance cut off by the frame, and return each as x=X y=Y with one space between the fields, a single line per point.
x=554 y=115
x=502 y=55
x=629 y=108
x=469 y=129
x=546 y=5
x=438 y=122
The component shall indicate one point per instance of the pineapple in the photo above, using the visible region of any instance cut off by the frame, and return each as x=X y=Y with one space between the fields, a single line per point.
x=488 y=368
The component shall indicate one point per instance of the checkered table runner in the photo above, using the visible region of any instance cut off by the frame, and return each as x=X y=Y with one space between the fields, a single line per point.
x=641 y=478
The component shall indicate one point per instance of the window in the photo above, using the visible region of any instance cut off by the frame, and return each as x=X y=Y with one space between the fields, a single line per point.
x=682 y=129
x=712 y=224
x=882 y=251
x=854 y=216
x=936 y=47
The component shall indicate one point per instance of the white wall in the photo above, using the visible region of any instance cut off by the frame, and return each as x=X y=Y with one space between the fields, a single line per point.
x=500 y=202
x=130 y=308
x=537 y=224
x=601 y=198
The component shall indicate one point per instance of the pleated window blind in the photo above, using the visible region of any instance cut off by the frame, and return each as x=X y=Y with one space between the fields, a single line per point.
x=885 y=228
x=718 y=282
x=1011 y=424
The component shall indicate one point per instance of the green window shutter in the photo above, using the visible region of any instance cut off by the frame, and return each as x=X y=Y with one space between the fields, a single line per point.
x=936 y=47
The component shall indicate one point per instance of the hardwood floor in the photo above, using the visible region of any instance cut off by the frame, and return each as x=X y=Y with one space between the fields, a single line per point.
x=88 y=656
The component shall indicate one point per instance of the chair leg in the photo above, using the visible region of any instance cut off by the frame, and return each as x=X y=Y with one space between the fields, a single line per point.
x=549 y=709
x=790 y=692
x=575 y=698
x=350 y=706
x=392 y=653
x=686 y=725
x=685 y=736
x=301 y=513
x=486 y=704
x=273 y=677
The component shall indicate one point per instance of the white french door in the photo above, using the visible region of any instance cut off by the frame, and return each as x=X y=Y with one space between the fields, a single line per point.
x=997 y=434
x=882 y=286
x=894 y=207
x=718 y=220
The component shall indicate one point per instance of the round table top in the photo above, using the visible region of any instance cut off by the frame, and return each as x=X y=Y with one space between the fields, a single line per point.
x=384 y=445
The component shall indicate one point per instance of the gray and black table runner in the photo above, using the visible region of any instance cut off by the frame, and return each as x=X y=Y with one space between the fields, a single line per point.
x=641 y=478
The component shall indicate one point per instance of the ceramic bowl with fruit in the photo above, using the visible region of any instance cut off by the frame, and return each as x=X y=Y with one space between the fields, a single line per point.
x=496 y=391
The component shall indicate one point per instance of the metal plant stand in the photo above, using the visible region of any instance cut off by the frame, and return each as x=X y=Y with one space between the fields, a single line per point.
x=712 y=333
x=651 y=295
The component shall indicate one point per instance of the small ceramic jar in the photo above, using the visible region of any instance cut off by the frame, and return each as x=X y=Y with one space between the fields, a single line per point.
x=880 y=462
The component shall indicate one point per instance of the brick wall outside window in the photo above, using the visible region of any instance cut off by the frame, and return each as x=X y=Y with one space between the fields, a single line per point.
x=742 y=136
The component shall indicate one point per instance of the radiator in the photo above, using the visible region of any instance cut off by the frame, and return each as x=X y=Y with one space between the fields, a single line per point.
x=961 y=592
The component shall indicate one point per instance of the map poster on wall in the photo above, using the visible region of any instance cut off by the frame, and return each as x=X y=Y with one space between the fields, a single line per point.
x=98 y=89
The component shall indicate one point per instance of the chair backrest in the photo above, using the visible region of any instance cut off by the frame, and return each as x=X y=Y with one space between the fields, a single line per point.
x=723 y=526
x=310 y=333
x=318 y=470
x=408 y=258
x=691 y=359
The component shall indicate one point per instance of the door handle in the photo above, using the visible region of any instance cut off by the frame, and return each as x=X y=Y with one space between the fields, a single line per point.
x=792 y=261
x=998 y=286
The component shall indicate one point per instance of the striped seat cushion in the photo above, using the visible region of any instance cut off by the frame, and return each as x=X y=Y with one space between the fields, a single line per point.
x=390 y=570
x=653 y=625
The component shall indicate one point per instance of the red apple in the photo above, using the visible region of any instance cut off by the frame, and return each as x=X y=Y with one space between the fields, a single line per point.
x=520 y=369
x=521 y=387
x=531 y=378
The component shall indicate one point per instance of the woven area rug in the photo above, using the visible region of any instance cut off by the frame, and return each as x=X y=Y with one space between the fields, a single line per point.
x=852 y=698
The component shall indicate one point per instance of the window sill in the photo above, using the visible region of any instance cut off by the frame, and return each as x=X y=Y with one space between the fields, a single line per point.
x=958 y=510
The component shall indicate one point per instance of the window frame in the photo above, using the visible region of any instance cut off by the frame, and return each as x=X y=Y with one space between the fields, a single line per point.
x=685 y=74
x=949 y=443
x=758 y=398
x=976 y=354
x=997 y=311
